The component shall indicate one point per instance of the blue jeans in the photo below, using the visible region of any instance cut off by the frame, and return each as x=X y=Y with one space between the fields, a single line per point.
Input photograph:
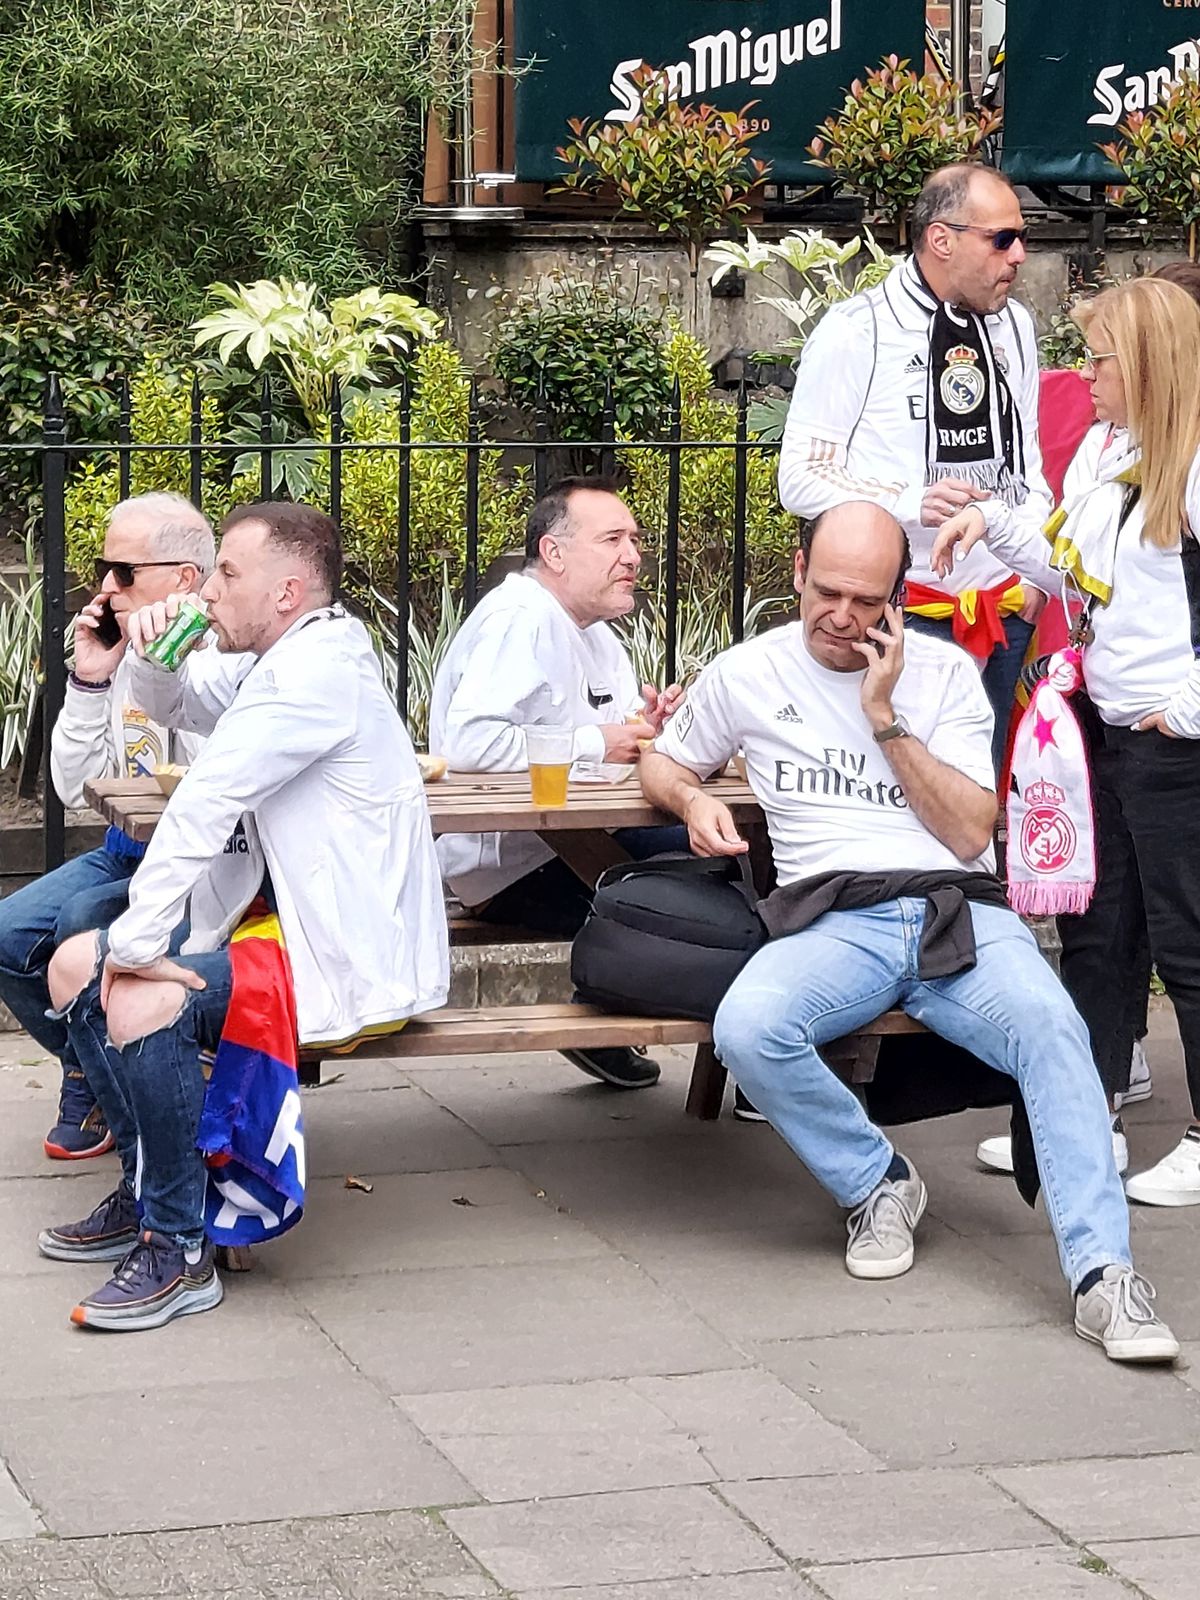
x=801 y=991
x=152 y=1094
x=89 y=892
x=1001 y=670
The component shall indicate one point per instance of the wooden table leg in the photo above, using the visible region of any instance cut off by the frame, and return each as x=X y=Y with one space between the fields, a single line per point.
x=234 y=1258
x=587 y=851
x=707 y=1088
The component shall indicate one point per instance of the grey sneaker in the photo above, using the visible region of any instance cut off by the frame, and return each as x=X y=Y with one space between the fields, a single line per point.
x=881 y=1229
x=1118 y=1313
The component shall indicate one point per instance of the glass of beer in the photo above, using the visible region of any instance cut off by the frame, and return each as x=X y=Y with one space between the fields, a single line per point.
x=549 y=752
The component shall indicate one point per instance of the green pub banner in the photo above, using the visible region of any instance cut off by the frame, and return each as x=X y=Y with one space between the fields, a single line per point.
x=1074 y=70
x=793 y=58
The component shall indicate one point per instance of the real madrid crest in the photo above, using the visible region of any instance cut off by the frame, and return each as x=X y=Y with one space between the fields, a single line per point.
x=962 y=384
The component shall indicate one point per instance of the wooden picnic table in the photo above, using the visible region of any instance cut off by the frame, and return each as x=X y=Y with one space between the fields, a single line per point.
x=580 y=832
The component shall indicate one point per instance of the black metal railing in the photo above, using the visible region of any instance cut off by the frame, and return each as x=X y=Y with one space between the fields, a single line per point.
x=56 y=456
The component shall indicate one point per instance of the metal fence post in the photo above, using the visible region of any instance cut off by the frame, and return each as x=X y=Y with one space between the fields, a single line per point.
x=673 y=465
x=403 y=550
x=194 y=480
x=54 y=607
x=739 y=519
x=335 y=450
x=266 y=474
x=471 y=576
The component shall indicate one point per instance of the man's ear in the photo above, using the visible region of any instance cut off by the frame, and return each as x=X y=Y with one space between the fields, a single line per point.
x=550 y=552
x=289 y=595
x=190 y=576
x=798 y=574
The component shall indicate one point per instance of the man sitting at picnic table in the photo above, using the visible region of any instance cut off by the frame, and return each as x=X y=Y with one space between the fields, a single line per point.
x=154 y=545
x=869 y=749
x=538 y=649
x=307 y=790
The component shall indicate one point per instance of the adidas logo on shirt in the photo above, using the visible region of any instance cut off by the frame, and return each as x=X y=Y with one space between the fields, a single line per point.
x=788 y=714
x=915 y=363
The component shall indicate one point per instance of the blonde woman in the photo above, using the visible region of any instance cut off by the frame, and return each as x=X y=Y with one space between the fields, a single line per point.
x=1126 y=544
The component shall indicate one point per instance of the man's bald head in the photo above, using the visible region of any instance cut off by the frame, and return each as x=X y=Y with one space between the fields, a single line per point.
x=848 y=568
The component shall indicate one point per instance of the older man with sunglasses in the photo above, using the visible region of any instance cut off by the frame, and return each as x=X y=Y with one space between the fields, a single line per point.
x=921 y=395
x=155 y=545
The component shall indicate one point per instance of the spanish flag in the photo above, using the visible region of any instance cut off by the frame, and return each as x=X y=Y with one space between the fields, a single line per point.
x=251 y=1131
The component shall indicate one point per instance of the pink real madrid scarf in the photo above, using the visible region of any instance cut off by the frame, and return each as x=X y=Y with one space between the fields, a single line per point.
x=1051 y=830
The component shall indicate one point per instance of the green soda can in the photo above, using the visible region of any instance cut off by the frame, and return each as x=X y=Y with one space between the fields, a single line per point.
x=185 y=632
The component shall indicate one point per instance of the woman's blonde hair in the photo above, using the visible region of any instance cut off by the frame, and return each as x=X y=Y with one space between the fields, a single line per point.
x=1153 y=327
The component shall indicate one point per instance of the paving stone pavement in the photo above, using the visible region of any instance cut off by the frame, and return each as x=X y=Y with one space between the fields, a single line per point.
x=574 y=1347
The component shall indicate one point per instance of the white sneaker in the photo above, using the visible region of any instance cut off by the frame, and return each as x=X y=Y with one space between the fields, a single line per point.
x=996 y=1152
x=1141 y=1086
x=881 y=1228
x=1175 y=1181
x=1118 y=1313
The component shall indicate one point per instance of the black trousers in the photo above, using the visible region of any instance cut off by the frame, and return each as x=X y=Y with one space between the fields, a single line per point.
x=1147 y=799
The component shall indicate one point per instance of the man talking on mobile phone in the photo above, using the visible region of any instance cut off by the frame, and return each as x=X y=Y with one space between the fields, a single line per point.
x=869 y=749
x=155 y=545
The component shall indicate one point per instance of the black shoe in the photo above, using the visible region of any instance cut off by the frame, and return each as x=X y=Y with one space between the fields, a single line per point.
x=107 y=1235
x=742 y=1109
x=622 y=1067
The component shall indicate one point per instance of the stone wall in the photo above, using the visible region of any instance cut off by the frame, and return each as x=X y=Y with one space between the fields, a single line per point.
x=470 y=260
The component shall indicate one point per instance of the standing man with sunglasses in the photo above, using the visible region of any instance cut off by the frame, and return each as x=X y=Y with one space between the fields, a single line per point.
x=155 y=545
x=921 y=395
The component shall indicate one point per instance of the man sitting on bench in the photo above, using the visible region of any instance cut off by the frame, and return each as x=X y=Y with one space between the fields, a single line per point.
x=309 y=762
x=538 y=649
x=869 y=749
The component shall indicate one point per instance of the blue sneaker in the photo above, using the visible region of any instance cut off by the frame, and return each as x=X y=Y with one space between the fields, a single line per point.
x=107 y=1235
x=81 y=1130
x=154 y=1284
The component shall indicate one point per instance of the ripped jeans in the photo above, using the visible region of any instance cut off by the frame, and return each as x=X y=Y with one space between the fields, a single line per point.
x=152 y=1093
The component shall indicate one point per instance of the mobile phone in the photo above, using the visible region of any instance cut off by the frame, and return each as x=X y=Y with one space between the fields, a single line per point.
x=108 y=629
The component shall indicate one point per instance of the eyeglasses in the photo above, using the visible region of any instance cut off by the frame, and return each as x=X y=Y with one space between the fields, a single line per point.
x=1093 y=358
x=1002 y=238
x=125 y=571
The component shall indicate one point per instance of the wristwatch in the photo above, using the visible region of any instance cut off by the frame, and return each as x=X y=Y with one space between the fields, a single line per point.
x=899 y=729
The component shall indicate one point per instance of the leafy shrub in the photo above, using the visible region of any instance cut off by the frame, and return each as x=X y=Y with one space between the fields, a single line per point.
x=165 y=145
x=562 y=346
x=1157 y=158
x=438 y=489
x=706 y=491
x=684 y=169
x=55 y=324
x=362 y=338
x=161 y=414
x=894 y=130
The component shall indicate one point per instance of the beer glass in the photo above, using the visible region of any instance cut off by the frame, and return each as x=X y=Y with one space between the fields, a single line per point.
x=549 y=754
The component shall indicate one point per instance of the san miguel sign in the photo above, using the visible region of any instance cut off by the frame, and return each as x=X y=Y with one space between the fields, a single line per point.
x=793 y=58
x=1076 y=70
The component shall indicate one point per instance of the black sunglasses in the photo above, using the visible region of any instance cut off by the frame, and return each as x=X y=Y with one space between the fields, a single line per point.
x=125 y=571
x=1002 y=238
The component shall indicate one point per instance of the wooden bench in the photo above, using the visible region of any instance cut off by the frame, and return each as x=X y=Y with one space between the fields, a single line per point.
x=497 y=1030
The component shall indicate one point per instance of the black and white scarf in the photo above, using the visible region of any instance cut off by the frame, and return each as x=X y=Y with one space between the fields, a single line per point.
x=972 y=427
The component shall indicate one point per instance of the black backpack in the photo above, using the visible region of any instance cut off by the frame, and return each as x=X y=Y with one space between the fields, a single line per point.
x=667 y=936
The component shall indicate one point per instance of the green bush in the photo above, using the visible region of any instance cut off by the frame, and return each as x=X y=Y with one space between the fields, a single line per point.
x=1157 y=158
x=894 y=130
x=161 y=412
x=438 y=493
x=706 y=492
x=163 y=145
x=55 y=324
x=564 y=345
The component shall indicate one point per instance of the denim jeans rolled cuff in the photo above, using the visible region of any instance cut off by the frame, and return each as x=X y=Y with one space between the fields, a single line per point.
x=152 y=1091
x=1009 y=1010
x=87 y=892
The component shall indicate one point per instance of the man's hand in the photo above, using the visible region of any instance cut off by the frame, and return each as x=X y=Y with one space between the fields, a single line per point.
x=623 y=741
x=1155 y=722
x=885 y=663
x=147 y=624
x=963 y=531
x=659 y=708
x=710 y=826
x=164 y=970
x=946 y=498
x=95 y=662
x=1035 y=604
